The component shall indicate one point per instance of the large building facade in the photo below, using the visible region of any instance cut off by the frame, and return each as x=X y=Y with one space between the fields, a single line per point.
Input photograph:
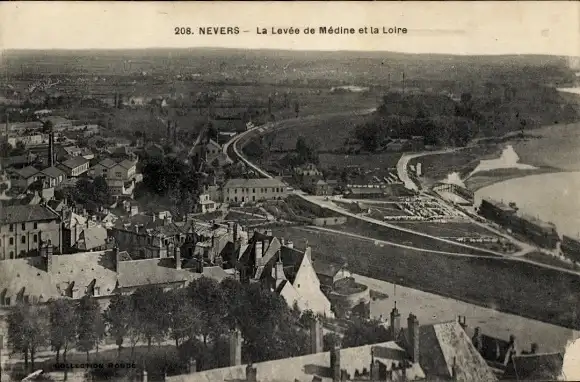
x=251 y=190
x=22 y=228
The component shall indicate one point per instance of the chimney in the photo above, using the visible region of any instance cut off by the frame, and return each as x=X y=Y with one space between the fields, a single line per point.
x=413 y=328
x=49 y=253
x=395 y=322
x=283 y=241
x=454 y=369
x=268 y=232
x=117 y=258
x=279 y=273
x=153 y=217
x=177 y=257
x=290 y=244
x=335 y=363
x=258 y=252
x=251 y=373
x=235 y=347
x=374 y=366
x=235 y=237
x=316 y=342
x=462 y=321
x=144 y=375
x=50 y=148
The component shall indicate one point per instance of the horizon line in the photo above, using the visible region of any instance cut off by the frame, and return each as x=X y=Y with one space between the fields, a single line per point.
x=287 y=50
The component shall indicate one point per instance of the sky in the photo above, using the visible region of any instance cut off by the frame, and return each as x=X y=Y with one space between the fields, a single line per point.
x=433 y=27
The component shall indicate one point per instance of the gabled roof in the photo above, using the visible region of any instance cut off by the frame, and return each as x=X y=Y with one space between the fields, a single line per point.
x=27 y=172
x=93 y=237
x=326 y=268
x=107 y=163
x=53 y=172
x=127 y=163
x=445 y=349
x=29 y=213
x=529 y=367
x=74 y=162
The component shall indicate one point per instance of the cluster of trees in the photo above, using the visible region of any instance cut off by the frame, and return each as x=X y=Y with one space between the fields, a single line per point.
x=197 y=319
x=172 y=178
x=63 y=324
x=87 y=191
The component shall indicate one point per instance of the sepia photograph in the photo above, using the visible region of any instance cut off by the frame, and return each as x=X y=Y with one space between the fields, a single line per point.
x=289 y=191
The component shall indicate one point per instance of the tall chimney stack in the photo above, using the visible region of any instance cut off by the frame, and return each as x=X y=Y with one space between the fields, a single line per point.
x=395 y=322
x=235 y=347
x=49 y=254
x=413 y=328
x=316 y=338
x=177 y=257
x=51 y=148
x=251 y=373
x=117 y=258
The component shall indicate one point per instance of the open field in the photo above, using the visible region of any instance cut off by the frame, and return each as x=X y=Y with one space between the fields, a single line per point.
x=509 y=286
x=329 y=133
x=448 y=230
x=378 y=232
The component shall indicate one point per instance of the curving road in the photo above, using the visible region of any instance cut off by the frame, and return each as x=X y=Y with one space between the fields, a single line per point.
x=231 y=148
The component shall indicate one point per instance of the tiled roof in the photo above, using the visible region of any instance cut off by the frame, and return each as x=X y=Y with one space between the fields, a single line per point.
x=107 y=162
x=53 y=172
x=83 y=269
x=326 y=268
x=74 y=162
x=250 y=183
x=529 y=367
x=446 y=348
x=306 y=368
x=20 y=214
x=127 y=164
x=93 y=237
x=27 y=172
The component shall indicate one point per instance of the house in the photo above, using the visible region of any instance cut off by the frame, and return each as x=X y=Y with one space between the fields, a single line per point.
x=246 y=190
x=321 y=188
x=75 y=166
x=18 y=161
x=496 y=351
x=23 y=178
x=20 y=127
x=284 y=269
x=27 y=140
x=22 y=227
x=80 y=233
x=99 y=274
x=206 y=204
x=212 y=152
x=433 y=352
x=52 y=176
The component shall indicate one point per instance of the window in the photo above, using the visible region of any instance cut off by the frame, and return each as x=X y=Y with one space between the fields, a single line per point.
x=7 y=301
x=11 y=227
x=35 y=238
x=118 y=174
x=254 y=190
x=23 y=239
x=35 y=225
x=11 y=241
x=235 y=192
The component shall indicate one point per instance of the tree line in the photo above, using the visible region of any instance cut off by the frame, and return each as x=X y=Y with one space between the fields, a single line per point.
x=197 y=319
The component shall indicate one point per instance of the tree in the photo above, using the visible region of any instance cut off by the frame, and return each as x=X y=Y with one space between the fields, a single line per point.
x=63 y=325
x=183 y=318
x=306 y=151
x=362 y=332
x=118 y=317
x=150 y=314
x=27 y=330
x=207 y=296
x=89 y=314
